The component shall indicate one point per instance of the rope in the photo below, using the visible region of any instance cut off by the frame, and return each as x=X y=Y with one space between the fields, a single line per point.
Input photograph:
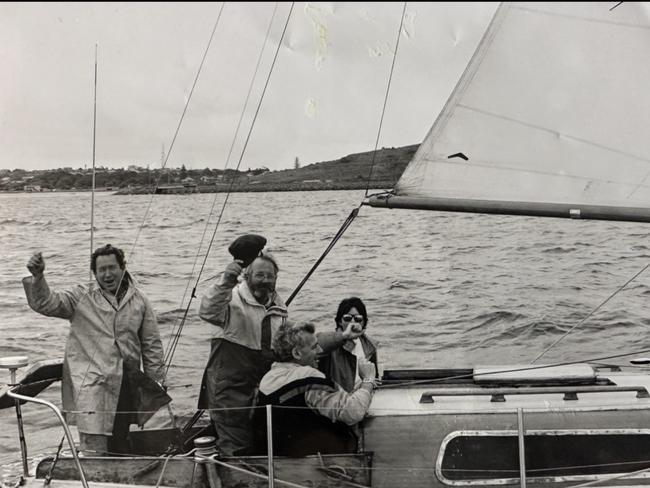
x=383 y=111
x=176 y=335
x=248 y=472
x=355 y=212
x=619 y=289
x=162 y=471
x=48 y=477
x=330 y=246
x=232 y=182
x=624 y=475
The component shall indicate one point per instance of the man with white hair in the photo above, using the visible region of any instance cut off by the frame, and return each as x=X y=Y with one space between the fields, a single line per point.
x=247 y=312
x=313 y=414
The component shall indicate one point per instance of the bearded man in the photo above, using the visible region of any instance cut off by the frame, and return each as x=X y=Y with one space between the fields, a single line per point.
x=246 y=313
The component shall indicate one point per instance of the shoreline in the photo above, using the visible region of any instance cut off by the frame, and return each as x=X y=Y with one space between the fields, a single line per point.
x=212 y=189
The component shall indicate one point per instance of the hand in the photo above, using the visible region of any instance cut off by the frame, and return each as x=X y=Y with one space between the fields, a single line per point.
x=367 y=370
x=232 y=271
x=352 y=331
x=36 y=265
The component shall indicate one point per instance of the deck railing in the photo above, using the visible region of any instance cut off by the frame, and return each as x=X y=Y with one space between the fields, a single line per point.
x=66 y=429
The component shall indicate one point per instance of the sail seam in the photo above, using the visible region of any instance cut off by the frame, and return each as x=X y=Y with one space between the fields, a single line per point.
x=540 y=172
x=562 y=134
x=583 y=19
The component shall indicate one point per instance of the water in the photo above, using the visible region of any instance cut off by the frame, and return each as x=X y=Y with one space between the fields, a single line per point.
x=442 y=290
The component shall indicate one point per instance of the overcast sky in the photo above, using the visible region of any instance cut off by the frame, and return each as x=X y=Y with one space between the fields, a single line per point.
x=323 y=101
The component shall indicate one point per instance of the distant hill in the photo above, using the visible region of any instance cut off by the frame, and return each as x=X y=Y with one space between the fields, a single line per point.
x=348 y=173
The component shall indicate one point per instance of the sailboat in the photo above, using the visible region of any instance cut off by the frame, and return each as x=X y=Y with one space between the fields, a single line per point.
x=547 y=120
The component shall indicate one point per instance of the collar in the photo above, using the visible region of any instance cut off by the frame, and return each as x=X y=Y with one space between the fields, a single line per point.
x=126 y=290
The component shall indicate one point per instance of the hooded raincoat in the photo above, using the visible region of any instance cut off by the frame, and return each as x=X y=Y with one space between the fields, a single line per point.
x=240 y=355
x=102 y=336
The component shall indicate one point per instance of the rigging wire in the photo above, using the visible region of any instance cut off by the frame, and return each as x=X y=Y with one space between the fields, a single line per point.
x=330 y=246
x=178 y=128
x=157 y=181
x=355 y=211
x=618 y=290
x=232 y=182
x=383 y=110
x=92 y=224
x=230 y=151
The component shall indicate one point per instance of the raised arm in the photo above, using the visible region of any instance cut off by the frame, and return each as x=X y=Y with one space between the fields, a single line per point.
x=214 y=304
x=41 y=299
x=341 y=406
x=330 y=340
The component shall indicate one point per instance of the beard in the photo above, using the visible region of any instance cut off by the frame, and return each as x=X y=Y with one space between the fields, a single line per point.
x=261 y=292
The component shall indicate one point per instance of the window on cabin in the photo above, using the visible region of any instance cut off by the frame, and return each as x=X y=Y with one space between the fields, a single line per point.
x=469 y=457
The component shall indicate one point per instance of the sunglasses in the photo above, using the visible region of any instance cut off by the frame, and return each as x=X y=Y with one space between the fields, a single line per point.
x=349 y=318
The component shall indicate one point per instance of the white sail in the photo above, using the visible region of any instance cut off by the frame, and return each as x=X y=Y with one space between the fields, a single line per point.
x=553 y=109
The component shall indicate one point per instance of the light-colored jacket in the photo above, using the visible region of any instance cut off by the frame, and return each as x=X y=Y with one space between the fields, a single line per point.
x=101 y=335
x=334 y=403
x=237 y=314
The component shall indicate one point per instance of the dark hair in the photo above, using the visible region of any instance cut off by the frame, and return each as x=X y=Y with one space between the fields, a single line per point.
x=349 y=303
x=288 y=336
x=107 y=250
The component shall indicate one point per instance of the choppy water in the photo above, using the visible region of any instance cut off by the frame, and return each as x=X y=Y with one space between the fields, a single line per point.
x=442 y=290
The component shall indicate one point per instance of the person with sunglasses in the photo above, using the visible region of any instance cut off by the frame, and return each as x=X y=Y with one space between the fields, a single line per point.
x=341 y=363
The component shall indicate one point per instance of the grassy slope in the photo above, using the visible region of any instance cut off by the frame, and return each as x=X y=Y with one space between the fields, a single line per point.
x=346 y=173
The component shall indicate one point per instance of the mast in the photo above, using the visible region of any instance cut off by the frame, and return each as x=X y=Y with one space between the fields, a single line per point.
x=92 y=199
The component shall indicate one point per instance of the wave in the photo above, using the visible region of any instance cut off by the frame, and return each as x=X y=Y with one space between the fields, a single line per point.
x=559 y=250
x=19 y=222
x=183 y=225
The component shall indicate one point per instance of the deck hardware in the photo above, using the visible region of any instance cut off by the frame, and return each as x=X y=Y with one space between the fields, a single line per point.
x=205 y=450
x=499 y=394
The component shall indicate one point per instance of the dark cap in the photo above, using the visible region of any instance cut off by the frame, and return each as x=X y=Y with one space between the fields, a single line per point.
x=247 y=247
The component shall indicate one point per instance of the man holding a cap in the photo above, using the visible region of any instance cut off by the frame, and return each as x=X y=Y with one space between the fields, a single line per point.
x=246 y=312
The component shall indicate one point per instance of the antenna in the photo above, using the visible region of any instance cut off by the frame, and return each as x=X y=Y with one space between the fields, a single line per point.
x=92 y=201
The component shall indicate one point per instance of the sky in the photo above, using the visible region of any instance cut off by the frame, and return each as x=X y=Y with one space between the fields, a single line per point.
x=323 y=99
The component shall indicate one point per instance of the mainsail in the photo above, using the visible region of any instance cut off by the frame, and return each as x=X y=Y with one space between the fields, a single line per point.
x=551 y=117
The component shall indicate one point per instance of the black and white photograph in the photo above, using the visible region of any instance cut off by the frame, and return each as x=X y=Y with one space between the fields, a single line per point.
x=324 y=244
